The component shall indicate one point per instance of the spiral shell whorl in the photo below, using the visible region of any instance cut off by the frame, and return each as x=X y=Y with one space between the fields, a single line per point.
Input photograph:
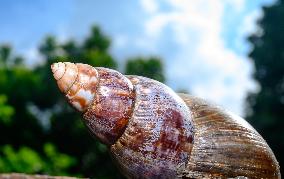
x=104 y=96
x=77 y=81
x=65 y=74
x=111 y=108
x=159 y=137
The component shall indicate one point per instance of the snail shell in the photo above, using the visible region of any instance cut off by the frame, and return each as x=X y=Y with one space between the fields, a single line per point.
x=152 y=132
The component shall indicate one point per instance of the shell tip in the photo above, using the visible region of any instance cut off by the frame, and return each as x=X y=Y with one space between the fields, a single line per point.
x=58 y=70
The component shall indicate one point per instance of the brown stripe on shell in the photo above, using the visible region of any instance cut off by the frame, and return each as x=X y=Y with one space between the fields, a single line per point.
x=109 y=113
x=83 y=90
x=159 y=136
x=226 y=146
x=67 y=80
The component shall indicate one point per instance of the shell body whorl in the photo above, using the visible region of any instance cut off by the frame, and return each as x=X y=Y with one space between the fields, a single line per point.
x=109 y=113
x=226 y=146
x=159 y=137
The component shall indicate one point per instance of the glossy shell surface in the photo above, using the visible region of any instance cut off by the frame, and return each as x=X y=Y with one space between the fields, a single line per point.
x=158 y=139
x=152 y=132
x=226 y=146
x=108 y=115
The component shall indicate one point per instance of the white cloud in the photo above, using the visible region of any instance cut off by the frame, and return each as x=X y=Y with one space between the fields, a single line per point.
x=238 y=5
x=149 y=6
x=156 y=24
x=202 y=63
x=249 y=26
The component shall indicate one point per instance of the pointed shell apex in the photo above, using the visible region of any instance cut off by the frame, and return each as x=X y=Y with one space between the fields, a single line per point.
x=58 y=70
x=68 y=78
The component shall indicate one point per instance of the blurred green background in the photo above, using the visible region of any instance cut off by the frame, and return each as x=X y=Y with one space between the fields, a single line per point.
x=40 y=133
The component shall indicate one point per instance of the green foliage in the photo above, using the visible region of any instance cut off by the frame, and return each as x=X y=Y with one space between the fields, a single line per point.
x=266 y=108
x=6 y=111
x=25 y=160
x=98 y=58
x=149 y=67
x=57 y=163
x=29 y=161
x=5 y=51
x=48 y=48
x=6 y=58
x=39 y=132
x=97 y=40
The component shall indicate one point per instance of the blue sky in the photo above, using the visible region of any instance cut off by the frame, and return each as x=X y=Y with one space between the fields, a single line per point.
x=202 y=42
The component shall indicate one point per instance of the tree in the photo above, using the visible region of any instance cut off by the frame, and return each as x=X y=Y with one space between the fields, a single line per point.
x=266 y=107
x=97 y=40
x=5 y=52
x=148 y=67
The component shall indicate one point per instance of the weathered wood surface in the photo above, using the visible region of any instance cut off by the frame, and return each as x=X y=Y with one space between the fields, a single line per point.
x=25 y=176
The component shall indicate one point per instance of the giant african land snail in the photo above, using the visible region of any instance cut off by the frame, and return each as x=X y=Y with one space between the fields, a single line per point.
x=152 y=132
